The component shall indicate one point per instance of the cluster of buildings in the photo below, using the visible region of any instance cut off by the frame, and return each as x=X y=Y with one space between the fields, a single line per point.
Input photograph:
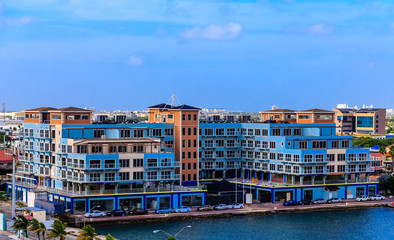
x=167 y=161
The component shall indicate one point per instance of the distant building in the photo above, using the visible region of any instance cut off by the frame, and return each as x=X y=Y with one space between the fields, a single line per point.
x=369 y=121
x=292 y=116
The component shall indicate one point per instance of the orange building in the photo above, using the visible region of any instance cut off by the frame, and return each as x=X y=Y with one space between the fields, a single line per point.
x=68 y=115
x=186 y=134
x=306 y=116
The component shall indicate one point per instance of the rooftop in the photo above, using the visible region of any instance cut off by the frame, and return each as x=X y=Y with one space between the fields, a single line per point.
x=169 y=106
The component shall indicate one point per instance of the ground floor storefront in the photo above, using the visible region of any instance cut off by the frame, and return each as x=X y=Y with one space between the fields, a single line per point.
x=109 y=202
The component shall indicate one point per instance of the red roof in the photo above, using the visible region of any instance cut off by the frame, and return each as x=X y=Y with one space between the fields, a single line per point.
x=376 y=154
x=4 y=158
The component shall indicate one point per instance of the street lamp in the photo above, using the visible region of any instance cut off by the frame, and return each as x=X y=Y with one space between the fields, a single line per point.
x=169 y=235
x=13 y=152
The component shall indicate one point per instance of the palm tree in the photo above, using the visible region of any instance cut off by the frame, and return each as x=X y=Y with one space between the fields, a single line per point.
x=58 y=230
x=87 y=233
x=37 y=227
x=21 y=223
x=109 y=237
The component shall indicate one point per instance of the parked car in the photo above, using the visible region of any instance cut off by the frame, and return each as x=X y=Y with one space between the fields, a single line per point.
x=205 y=208
x=334 y=200
x=220 y=207
x=235 y=206
x=182 y=209
x=163 y=210
x=118 y=212
x=305 y=202
x=362 y=198
x=138 y=211
x=376 y=197
x=319 y=201
x=94 y=213
x=290 y=203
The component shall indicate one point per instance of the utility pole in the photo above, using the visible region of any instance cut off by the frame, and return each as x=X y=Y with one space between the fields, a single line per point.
x=3 y=103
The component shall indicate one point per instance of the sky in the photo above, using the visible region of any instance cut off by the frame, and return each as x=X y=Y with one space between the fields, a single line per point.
x=238 y=55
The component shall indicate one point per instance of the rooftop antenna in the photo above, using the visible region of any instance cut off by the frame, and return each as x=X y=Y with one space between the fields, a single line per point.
x=173 y=100
x=3 y=103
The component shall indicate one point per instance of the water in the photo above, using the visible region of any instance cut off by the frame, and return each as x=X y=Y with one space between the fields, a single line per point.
x=377 y=223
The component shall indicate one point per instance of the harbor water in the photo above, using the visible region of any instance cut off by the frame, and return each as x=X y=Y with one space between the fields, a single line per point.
x=376 y=223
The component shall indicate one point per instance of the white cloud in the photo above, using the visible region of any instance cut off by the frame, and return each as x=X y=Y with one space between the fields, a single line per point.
x=320 y=29
x=134 y=61
x=212 y=32
x=17 y=22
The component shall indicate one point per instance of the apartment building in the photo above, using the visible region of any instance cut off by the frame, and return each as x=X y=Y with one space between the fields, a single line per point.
x=294 y=155
x=107 y=166
x=369 y=121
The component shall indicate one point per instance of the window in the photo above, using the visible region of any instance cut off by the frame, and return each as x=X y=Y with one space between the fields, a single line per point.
x=195 y=117
x=124 y=163
x=308 y=169
x=156 y=132
x=319 y=169
x=195 y=131
x=288 y=168
x=98 y=133
x=287 y=132
x=125 y=133
x=341 y=168
x=341 y=157
x=319 y=157
x=272 y=167
x=124 y=176
x=272 y=156
x=288 y=157
x=352 y=168
x=362 y=156
x=208 y=132
x=138 y=133
x=304 y=117
x=56 y=116
x=138 y=175
x=335 y=144
x=297 y=132
x=137 y=148
x=138 y=162
x=189 y=117
x=219 y=131
x=219 y=143
x=194 y=166
x=280 y=156
x=330 y=169
x=308 y=158
x=264 y=144
x=296 y=169
x=219 y=154
x=189 y=131
x=365 y=122
x=303 y=144
x=169 y=131
x=243 y=131
x=276 y=132
x=165 y=174
x=231 y=131
x=280 y=168
x=183 y=117
x=352 y=156
x=345 y=144
x=152 y=175
x=323 y=117
x=264 y=132
x=257 y=132
x=250 y=132
x=272 y=145
x=331 y=157
x=319 y=144
x=362 y=168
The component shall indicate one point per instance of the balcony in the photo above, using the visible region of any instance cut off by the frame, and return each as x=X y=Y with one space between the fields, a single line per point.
x=24 y=170
x=162 y=177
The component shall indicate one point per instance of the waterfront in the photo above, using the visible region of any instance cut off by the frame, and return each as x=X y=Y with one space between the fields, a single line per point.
x=376 y=223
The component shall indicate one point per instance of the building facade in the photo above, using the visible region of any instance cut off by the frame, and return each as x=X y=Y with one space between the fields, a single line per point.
x=164 y=162
x=369 y=121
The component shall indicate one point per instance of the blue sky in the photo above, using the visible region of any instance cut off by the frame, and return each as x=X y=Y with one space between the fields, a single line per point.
x=238 y=55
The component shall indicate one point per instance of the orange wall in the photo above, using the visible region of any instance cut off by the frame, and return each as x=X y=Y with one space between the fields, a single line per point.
x=32 y=120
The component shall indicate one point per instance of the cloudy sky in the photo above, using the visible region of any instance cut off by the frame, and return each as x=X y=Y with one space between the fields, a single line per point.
x=239 y=55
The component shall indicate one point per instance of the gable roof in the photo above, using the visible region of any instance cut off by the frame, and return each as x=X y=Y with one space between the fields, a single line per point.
x=168 y=106
x=70 y=109
x=41 y=109
x=4 y=157
x=162 y=106
x=279 y=110
x=316 y=110
x=186 y=107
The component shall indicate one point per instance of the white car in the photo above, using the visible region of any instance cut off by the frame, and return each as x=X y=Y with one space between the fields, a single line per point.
x=362 y=198
x=235 y=206
x=376 y=197
x=220 y=207
x=94 y=213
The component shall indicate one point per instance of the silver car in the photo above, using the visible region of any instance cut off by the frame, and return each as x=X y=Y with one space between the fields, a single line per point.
x=376 y=197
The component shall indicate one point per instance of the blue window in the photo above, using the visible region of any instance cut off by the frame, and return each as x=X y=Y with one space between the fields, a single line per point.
x=365 y=122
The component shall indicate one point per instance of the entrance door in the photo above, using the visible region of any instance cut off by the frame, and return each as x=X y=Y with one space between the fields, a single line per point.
x=308 y=194
x=264 y=196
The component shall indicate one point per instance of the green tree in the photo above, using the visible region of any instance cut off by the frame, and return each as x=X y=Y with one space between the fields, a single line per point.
x=21 y=223
x=109 y=237
x=171 y=238
x=88 y=233
x=37 y=227
x=391 y=151
x=58 y=230
x=382 y=150
x=384 y=182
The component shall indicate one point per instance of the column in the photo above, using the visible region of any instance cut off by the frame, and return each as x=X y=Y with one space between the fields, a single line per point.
x=73 y=185
x=87 y=189
x=292 y=180
x=116 y=187
x=144 y=186
x=302 y=180
x=247 y=174
x=102 y=188
x=172 y=186
x=262 y=175
x=346 y=177
x=367 y=177
x=254 y=174
x=158 y=186
x=324 y=179
x=356 y=177
x=284 y=178
x=224 y=173
x=80 y=188
x=313 y=180
x=269 y=176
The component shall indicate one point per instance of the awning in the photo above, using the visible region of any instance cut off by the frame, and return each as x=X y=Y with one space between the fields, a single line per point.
x=331 y=188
